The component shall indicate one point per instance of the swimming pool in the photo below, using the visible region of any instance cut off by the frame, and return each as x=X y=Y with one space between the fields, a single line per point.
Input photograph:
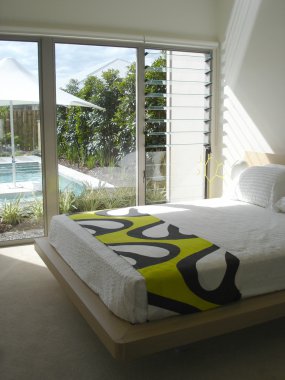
x=31 y=173
x=27 y=171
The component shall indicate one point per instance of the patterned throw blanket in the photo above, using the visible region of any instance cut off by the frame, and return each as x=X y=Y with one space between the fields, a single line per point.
x=165 y=257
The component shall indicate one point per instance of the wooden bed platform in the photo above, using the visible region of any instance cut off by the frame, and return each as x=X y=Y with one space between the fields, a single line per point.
x=126 y=341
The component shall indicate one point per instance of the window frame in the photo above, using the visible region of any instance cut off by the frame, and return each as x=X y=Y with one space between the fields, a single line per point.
x=46 y=59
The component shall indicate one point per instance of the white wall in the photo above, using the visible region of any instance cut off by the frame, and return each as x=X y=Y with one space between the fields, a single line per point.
x=224 y=9
x=253 y=80
x=189 y=19
x=252 y=47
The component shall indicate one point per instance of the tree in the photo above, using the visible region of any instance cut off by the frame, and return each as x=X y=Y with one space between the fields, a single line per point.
x=155 y=105
x=85 y=133
x=125 y=115
x=91 y=136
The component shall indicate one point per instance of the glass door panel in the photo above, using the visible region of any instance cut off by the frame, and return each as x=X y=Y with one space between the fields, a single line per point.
x=21 y=200
x=96 y=130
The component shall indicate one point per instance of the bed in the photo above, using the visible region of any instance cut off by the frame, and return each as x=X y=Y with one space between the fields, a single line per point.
x=241 y=229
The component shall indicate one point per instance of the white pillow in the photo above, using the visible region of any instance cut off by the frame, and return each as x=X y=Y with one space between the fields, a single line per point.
x=280 y=205
x=261 y=185
x=276 y=166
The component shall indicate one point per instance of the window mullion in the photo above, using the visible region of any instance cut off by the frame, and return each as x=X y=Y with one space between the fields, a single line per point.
x=48 y=119
x=140 y=126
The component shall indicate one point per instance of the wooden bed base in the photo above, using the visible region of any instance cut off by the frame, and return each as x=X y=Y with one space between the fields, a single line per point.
x=127 y=341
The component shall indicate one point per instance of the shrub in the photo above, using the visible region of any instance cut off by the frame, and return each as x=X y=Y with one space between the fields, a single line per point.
x=155 y=193
x=37 y=209
x=12 y=212
x=66 y=201
x=104 y=198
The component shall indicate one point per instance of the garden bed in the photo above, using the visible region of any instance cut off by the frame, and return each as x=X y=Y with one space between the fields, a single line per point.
x=24 y=230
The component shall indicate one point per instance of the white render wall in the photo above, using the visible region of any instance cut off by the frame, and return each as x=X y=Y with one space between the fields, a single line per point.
x=254 y=63
x=187 y=19
x=253 y=81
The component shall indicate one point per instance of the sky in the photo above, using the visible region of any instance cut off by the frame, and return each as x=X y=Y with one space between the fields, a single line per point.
x=70 y=59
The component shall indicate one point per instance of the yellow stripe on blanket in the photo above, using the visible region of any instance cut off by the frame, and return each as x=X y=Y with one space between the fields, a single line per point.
x=165 y=256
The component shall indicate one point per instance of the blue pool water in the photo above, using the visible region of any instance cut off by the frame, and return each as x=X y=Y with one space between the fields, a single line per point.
x=28 y=171
x=31 y=171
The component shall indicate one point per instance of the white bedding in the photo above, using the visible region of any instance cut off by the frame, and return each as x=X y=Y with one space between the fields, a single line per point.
x=254 y=234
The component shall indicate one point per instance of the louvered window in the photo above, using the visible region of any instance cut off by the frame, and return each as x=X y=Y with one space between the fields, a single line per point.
x=177 y=124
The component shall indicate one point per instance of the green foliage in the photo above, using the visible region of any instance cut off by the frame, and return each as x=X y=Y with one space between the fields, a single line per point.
x=66 y=202
x=4 y=111
x=102 y=138
x=125 y=115
x=37 y=209
x=91 y=137
x=155 y=84
x=105 y=198
x=7 y=139
x=90 y=162
x=88 y=200
x=12 y=212
x=84 y=132
x=155 y=193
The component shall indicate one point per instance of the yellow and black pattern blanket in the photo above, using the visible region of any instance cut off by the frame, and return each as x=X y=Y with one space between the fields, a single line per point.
x=165 y=257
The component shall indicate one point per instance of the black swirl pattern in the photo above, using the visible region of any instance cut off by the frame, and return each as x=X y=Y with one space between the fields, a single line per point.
x=99 y=230
x=143 y=261
x=226 y=292
x=170 y=304
x=173 y=232
x=136 y=242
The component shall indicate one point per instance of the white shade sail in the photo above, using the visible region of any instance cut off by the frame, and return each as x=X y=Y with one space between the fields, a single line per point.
x=19 y=87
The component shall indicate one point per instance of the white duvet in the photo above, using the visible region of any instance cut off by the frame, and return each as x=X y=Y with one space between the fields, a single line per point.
x=254 y=234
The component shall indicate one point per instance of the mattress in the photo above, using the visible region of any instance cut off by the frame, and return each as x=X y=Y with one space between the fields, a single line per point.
x=253 y=234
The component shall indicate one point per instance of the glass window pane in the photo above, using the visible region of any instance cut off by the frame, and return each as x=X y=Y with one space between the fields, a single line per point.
x=96 y=132
x=177 y=124
x=21 y=200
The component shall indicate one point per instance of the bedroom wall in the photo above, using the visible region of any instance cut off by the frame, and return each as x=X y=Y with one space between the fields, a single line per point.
x=187 y=19
x=253 y=81
x=251 y=33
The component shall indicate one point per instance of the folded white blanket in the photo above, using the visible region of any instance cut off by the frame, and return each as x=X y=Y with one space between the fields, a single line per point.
x=253 y=234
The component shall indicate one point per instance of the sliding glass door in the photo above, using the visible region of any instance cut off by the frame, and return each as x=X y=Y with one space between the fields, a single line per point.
x=117 y=126
x=96 y=126
x=21 y=197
